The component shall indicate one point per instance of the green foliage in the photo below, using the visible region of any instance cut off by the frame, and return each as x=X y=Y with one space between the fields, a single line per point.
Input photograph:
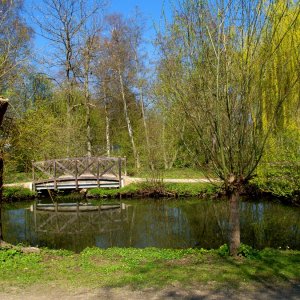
x=279 y=180
x=8 y=254
x=244 y=250
x=10 y=176
x=248 y=251
x=17 y=193
x=279 y=172
x=223 y=250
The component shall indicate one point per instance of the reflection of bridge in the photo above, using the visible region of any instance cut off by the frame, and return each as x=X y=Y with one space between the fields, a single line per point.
x=78 y=173
x=104 y=219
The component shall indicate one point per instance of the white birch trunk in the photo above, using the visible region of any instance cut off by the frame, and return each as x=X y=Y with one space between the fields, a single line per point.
x=128 y=122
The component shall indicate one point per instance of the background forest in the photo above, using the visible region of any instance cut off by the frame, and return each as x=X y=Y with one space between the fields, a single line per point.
x=222 y=94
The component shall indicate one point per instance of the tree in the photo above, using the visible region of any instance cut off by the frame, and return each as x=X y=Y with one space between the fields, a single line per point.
x=217 y=55
x=122 y=70
x=14 y=35
x=14 y=38
x=3 y=108
x=65 y=23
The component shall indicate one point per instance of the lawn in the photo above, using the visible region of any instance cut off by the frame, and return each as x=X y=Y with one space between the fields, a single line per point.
x=149 y=267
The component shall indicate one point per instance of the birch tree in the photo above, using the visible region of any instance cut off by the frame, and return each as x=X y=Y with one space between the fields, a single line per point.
x=121 y=64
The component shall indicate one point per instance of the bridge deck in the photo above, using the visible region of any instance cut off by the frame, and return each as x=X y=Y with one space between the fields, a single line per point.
x=78 y=173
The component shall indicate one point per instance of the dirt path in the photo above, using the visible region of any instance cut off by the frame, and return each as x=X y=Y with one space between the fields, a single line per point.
x=53 y=292
x=128 y=180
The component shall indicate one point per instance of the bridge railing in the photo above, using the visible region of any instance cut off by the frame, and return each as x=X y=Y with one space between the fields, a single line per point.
x=76 y=168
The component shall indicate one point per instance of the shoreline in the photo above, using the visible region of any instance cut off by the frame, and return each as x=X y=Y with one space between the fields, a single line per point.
x=173 y=189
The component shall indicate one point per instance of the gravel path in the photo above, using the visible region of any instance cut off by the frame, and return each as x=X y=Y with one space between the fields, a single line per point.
x=197 y=293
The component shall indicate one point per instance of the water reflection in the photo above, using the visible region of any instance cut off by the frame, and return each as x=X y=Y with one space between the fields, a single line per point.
x=162 y=223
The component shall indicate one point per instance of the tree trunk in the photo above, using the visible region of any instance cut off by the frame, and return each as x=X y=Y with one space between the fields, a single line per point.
x=164 y=145
x=1 y=192
x=3 y=108
x=151 y=165
x=234 y=223
x=87 y=104
x=129 y=127
x=107 y=133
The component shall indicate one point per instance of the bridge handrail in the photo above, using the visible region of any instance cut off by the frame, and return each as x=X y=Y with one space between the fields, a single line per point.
x=97 y=166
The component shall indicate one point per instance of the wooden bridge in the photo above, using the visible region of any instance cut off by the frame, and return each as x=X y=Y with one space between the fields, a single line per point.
x=78 y=173
x=105 y=218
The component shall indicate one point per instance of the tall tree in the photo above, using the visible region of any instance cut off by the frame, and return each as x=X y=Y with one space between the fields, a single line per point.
x=218 y=52
x=121 y=64
x=62 y=23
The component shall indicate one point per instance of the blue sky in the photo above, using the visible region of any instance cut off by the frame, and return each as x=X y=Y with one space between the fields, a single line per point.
x=151 y=10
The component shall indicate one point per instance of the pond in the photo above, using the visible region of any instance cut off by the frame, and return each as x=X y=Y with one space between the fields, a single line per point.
x=153 y=223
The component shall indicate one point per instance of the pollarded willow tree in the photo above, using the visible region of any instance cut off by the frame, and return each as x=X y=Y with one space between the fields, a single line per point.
x=215 y=56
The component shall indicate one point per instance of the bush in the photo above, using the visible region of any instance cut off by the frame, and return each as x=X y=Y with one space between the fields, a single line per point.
x=248 y=252
x=17 y=193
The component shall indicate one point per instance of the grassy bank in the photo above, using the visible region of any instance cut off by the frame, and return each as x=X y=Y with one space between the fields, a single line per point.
x=150 y=267
x=156 y=189
x=174 y=173
x=17 y=194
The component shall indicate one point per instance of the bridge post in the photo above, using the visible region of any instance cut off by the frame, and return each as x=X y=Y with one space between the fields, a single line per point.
x=54 y=171
x=125 y=165
x=120 y=171
x=33 y=175
x=98 y=173
x=76 y=174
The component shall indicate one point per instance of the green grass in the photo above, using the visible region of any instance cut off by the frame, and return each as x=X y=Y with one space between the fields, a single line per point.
x=180 y=173
x=149 y=267
x=17 y=193
x=191 y=189
x=178 y=189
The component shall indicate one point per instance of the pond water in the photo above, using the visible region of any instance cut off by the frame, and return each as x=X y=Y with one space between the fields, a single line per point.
x=154 y=223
